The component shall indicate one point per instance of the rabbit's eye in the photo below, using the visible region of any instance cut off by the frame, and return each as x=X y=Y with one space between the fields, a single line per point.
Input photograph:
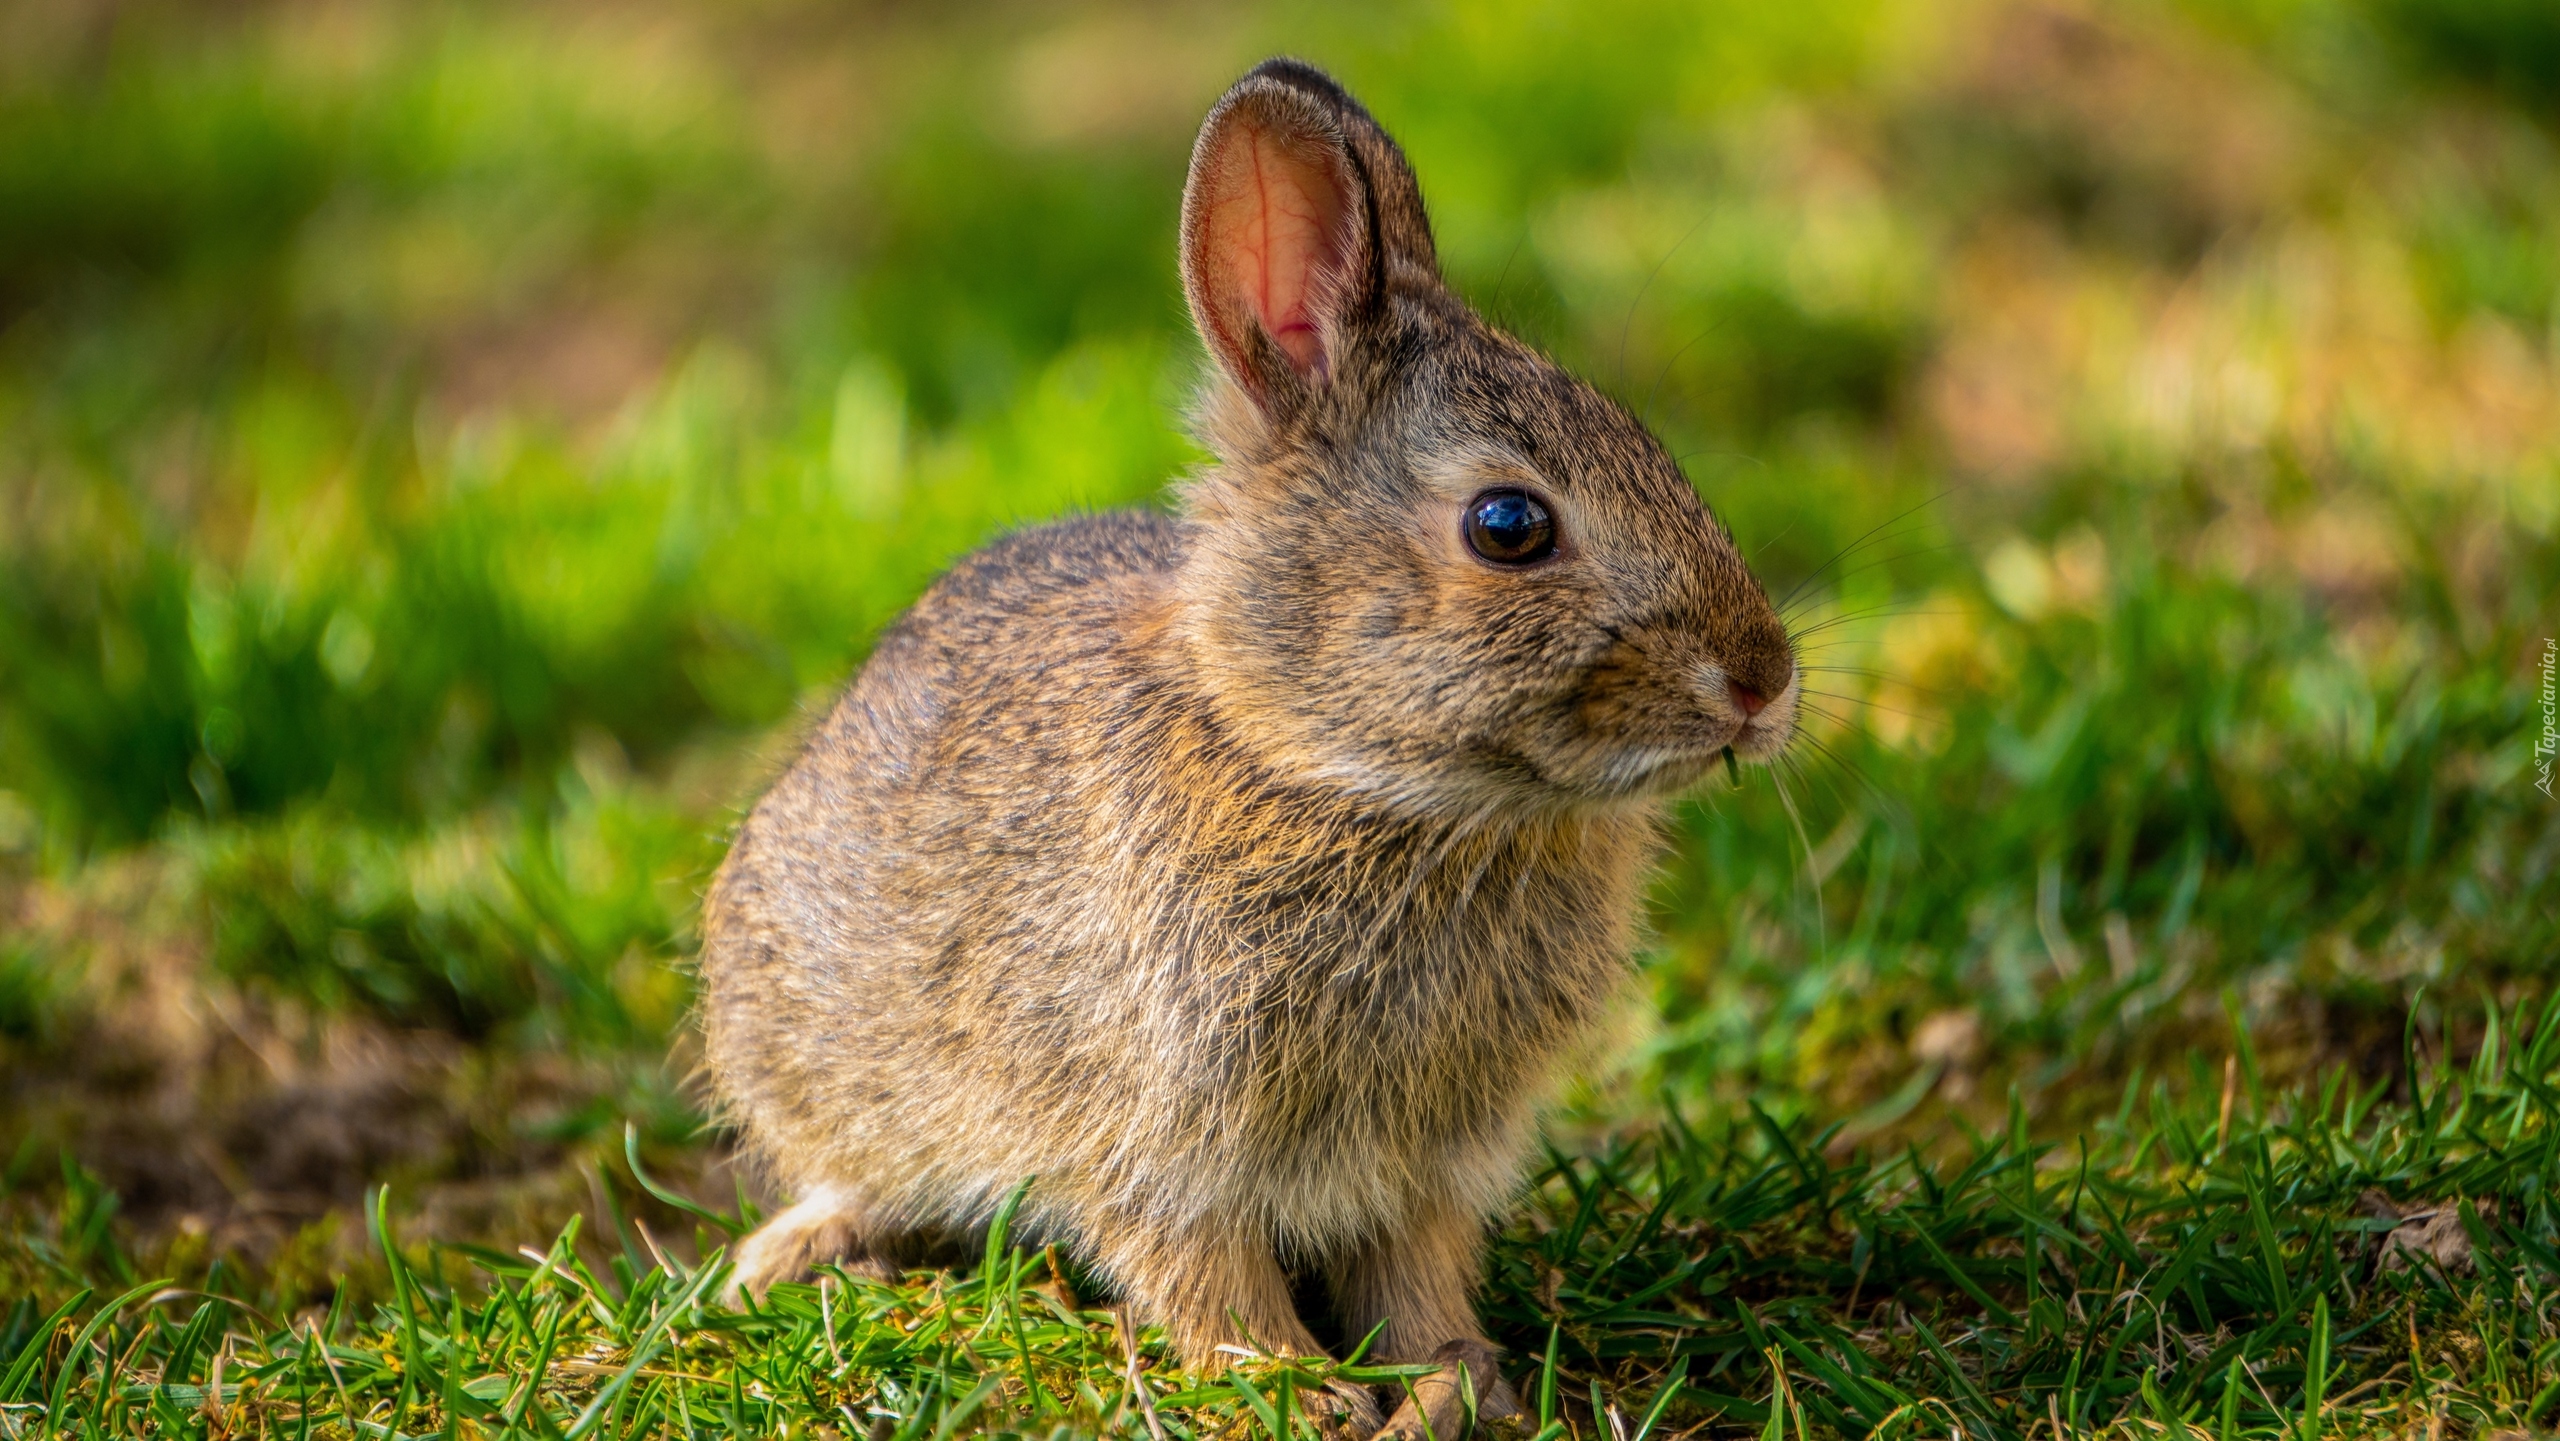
x=1510 y=527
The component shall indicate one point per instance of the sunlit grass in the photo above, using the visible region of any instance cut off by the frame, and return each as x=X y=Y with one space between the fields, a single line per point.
x=2216 y=1257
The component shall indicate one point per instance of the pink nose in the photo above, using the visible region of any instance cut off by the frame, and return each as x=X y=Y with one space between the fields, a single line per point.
x=1744 y=696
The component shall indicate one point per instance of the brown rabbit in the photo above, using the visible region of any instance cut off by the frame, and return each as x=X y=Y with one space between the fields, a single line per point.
x=1249 y=875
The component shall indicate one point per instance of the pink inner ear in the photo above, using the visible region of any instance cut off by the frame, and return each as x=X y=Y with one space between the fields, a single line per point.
x=1275 y=231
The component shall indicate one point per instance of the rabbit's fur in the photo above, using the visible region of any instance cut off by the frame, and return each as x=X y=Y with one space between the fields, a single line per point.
x=1247 y=875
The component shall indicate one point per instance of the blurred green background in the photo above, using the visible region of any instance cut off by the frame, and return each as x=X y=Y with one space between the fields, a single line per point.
x=447 y=451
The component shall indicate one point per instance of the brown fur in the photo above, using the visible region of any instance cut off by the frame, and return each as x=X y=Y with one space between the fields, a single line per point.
x=1246 y=876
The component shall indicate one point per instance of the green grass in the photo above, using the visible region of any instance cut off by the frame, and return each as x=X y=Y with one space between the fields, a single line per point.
x=2221 y=1265
x=447 y=451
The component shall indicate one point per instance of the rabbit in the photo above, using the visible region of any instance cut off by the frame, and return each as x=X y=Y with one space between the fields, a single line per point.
x=1249 y=875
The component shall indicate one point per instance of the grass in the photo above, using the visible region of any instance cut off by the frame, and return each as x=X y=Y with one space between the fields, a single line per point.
x=447 y=451
x=2233 y=1266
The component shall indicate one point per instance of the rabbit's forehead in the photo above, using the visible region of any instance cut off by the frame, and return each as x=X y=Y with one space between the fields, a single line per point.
x=1498 y=404
x=1604 y=471
x=1457 y=467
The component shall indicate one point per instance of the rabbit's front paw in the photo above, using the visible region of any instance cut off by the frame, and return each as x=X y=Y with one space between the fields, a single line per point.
x=824 y=1227
x=1435 y=1408
x=1343 y=1409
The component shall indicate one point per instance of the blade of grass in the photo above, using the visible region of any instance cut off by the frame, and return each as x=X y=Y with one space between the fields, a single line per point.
x=645 y=1349
x=32 y=1350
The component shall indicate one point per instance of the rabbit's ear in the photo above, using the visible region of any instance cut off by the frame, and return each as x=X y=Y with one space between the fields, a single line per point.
x=1298 y=213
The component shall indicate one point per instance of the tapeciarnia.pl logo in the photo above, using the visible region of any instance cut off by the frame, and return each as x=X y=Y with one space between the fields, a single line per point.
x=2549 y=742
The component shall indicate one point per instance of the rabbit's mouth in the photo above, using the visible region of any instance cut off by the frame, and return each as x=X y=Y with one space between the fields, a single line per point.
x=1762 y=723
x=1653 y=773
x=1766 y=731
x=1680 y=739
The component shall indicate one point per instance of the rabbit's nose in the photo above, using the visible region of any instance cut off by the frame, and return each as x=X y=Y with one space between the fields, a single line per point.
x=1751 y=682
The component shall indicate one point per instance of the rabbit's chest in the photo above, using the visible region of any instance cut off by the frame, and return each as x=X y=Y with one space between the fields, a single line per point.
x=1416 y=1073
x=1431 y=1005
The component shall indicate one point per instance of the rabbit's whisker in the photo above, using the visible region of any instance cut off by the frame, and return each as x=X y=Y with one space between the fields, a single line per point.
x=1655 y=393
x=1784 y=531
x=1873 y=534
x=1853 y=617
x=1821 y=935
x=1823 y=751
x=1626 y=326
x=1883 y=561
x=1866 y=701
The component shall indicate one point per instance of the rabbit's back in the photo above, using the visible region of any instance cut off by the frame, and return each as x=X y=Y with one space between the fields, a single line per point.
x=850 y=1014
